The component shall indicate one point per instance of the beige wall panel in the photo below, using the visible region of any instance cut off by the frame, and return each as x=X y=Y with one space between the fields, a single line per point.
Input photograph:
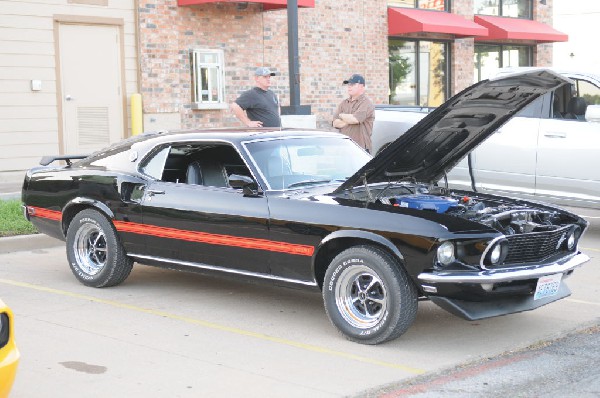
x=28 y=119
x=22 y=112
x=39 y=9
x=24 y=99
x=26 y=73
x=26 y=21
x=18 y=151
x=35 y=35
x=28 y=60
x=28 y=125
x=20 y=164
x=17 y=47
x=37 y=138
x=24 y=86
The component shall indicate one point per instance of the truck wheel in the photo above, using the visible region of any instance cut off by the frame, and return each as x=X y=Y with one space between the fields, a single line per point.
x=368 y=296
x=94 y=251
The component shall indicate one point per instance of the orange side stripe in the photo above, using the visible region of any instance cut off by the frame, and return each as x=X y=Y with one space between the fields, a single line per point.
x=44 y=213
x=214 y=239
x=191 y=236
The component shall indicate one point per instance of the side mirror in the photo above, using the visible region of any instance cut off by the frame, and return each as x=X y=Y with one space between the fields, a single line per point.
x=239 y=181
x=592 y=113
x=247 y=184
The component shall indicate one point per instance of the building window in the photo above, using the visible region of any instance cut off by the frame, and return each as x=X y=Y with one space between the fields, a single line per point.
x=208 y=77
x=439 y=5
x=490 y=57
x=418 y=72
x=504 y=8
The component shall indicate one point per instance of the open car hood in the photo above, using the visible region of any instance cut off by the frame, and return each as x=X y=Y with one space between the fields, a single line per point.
x=444 y=137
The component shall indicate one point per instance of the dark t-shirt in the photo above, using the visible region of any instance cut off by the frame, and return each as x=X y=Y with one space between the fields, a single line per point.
x=261 y=105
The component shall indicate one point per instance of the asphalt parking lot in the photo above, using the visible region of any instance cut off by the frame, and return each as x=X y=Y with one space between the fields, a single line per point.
x=171 y=334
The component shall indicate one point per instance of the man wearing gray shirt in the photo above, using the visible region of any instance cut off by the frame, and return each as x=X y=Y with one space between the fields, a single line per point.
x=259 y=106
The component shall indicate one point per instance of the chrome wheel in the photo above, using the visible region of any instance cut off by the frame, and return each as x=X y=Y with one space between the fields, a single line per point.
x=90 y=249
x=361 y=297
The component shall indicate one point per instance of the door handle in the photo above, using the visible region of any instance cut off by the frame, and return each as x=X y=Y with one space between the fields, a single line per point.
x=69 y=98
x=555 y=135
x=153 y=192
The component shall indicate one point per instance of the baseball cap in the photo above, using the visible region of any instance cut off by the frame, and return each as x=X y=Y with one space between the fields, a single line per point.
x=263 y=71
x=355 y=79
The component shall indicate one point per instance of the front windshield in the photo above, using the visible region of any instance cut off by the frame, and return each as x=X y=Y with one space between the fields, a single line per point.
x=294 y=162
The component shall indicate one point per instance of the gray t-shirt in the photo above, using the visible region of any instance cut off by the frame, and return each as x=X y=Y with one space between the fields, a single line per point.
x=261 y=105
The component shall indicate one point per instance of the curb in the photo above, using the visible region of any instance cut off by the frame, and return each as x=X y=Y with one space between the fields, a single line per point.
x=27 y=243
x=10 y=195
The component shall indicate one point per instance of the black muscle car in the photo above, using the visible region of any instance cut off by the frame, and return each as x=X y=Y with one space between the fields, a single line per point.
x=311 y=208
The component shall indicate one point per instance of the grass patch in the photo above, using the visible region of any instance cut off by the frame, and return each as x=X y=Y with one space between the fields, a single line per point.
x=12 y=221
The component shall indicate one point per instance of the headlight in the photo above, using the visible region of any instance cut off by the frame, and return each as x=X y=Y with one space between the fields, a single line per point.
x=497 y=253
x=4 y=329
x=445 y=253
x=572 y=238
x=571 y=242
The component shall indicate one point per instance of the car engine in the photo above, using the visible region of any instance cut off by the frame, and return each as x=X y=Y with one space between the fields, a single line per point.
x=504 y=216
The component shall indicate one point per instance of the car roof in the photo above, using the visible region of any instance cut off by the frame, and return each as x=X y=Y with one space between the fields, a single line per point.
x=567 y=72
x=236 y=135
x=143 y=143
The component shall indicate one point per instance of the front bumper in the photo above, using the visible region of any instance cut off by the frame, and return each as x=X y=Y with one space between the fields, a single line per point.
x=505 y=275
x=487 y=293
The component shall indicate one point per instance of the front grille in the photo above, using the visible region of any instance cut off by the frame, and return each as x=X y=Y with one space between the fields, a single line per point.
x=534 y=246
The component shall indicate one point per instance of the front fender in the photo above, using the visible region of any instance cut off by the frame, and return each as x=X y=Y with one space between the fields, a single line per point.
x=363 y=235
x=326 y=250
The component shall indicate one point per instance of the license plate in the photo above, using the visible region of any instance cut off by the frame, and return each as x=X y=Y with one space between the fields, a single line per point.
x=547 y=286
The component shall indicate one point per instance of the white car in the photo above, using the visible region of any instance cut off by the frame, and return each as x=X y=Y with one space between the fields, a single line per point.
x=549 y=151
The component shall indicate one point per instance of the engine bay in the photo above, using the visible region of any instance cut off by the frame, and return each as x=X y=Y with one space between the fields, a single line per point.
x=507 y=216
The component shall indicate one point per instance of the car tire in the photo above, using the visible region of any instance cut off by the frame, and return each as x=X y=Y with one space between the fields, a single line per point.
x=368 y=296
x=96 y=256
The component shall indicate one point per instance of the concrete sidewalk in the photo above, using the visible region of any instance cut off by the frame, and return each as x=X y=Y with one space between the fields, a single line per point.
x=10 y=190
x=20 y=243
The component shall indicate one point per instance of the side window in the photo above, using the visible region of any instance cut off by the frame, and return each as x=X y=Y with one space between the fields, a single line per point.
x=535 y=108
x=208 y=164
x=212 y=165
x=589 y=92
x=208 y=79
x=155 y=165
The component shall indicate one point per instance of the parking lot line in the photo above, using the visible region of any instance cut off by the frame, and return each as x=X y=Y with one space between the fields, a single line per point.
x=590 y=249
x=582 y=301
x=216 y=326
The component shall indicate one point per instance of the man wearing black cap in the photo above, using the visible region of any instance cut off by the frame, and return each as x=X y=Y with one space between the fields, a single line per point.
x=259 y=106
x=354 y=116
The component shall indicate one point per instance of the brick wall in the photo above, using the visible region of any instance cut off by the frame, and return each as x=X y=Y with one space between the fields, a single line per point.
x=336 y=38
x=462 y=51
x=543 y=52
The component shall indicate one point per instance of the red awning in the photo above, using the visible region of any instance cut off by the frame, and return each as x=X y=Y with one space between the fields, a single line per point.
x=412 y=20
x=267 y=4
x=501 y=28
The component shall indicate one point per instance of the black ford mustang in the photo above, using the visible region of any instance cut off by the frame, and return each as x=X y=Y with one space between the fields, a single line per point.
x=311 y=208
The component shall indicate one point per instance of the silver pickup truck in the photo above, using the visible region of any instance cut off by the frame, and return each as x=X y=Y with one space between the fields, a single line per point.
x=550 y=151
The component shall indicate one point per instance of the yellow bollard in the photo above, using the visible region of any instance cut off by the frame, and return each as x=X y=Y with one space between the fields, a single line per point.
x=136 y=114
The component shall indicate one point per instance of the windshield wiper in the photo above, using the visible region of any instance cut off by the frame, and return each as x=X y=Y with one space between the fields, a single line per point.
x=307 y=182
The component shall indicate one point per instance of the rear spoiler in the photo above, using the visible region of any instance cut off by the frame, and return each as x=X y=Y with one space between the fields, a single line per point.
x=46 y=160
